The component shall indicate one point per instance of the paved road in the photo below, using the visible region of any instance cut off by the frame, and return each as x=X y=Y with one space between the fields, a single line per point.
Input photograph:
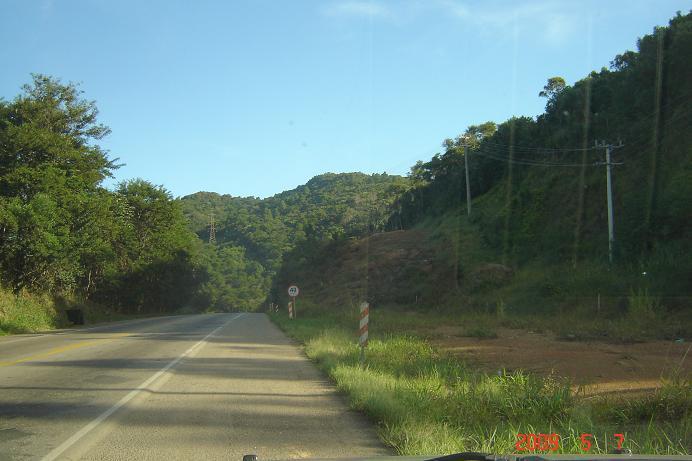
x=187 y=387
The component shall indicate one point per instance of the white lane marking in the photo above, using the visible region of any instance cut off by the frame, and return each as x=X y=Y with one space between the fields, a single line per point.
x=57 y=451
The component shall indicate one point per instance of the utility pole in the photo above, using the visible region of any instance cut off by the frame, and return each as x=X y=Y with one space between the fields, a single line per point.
x=609 y=185
x=609 y=192
x=468 y=184
x=212 y=229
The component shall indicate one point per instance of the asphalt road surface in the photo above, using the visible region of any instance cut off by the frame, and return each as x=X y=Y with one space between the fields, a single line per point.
x=186 y=387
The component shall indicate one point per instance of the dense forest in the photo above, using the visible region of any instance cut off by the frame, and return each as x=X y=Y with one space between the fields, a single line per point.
x=537 y=185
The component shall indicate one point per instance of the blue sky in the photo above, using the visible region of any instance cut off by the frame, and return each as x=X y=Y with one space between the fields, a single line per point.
x=256 y=97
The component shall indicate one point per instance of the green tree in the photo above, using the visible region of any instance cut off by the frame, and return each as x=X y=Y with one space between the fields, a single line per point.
x=553 y=88
x=49 y=169
x=156 y=267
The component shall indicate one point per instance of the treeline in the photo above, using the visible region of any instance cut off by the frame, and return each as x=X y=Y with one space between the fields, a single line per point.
x=538 y=184
x=63 y=233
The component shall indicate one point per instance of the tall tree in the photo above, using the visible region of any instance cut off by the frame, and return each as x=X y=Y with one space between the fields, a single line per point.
x=49 y=169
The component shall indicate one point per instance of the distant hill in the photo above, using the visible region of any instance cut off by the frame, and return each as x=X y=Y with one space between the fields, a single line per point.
x=253 y=234
x=329 y=206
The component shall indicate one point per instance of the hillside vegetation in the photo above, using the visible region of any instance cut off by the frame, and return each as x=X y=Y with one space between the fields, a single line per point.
x=539 y=218
x=253 y=235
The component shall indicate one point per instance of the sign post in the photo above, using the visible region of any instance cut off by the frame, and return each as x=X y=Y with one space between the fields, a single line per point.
x=363 y=331
x=293 y=291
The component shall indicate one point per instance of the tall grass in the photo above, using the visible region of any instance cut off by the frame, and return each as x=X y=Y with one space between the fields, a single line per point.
x=428 y=403
x=26 y=312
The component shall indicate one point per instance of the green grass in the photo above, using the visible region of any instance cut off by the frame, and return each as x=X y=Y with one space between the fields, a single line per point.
x=26 y=313
x=425 y=402
x=578 y=323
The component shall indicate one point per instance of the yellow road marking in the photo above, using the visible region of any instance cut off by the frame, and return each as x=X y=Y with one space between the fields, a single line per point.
x=59 y=350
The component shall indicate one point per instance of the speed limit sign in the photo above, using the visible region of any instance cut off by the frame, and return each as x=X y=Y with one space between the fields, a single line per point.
x=293 y=291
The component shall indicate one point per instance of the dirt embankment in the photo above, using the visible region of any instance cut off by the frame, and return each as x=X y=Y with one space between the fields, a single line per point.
x=398 y=267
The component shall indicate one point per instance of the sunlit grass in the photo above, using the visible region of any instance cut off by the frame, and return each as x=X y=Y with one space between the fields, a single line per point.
x=425 y=402
x=28 y=312
x=25 y=313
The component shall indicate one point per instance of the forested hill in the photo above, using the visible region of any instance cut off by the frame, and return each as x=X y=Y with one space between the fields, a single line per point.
x=329 y=206
x=253 y=234
x=538 y=184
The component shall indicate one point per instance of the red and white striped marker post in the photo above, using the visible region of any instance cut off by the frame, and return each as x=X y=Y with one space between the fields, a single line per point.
x=290 y=309
x=363 y=332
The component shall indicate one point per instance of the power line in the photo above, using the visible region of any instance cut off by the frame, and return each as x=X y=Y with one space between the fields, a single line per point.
x=495 y=156
x=496 y=152
x=545 y=150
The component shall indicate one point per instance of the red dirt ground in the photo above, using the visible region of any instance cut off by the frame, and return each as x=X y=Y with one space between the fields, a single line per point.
x=596 y=366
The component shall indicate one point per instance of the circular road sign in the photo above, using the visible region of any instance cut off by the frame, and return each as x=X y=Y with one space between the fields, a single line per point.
x=293 y=291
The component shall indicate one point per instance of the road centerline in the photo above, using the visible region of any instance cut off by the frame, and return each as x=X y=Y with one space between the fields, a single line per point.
x=61 y=349
x=60 y=449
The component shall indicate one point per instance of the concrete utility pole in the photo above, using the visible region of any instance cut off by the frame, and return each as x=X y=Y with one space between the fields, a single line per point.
x=609 y=193
x=609 y=185
x=468 y=184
